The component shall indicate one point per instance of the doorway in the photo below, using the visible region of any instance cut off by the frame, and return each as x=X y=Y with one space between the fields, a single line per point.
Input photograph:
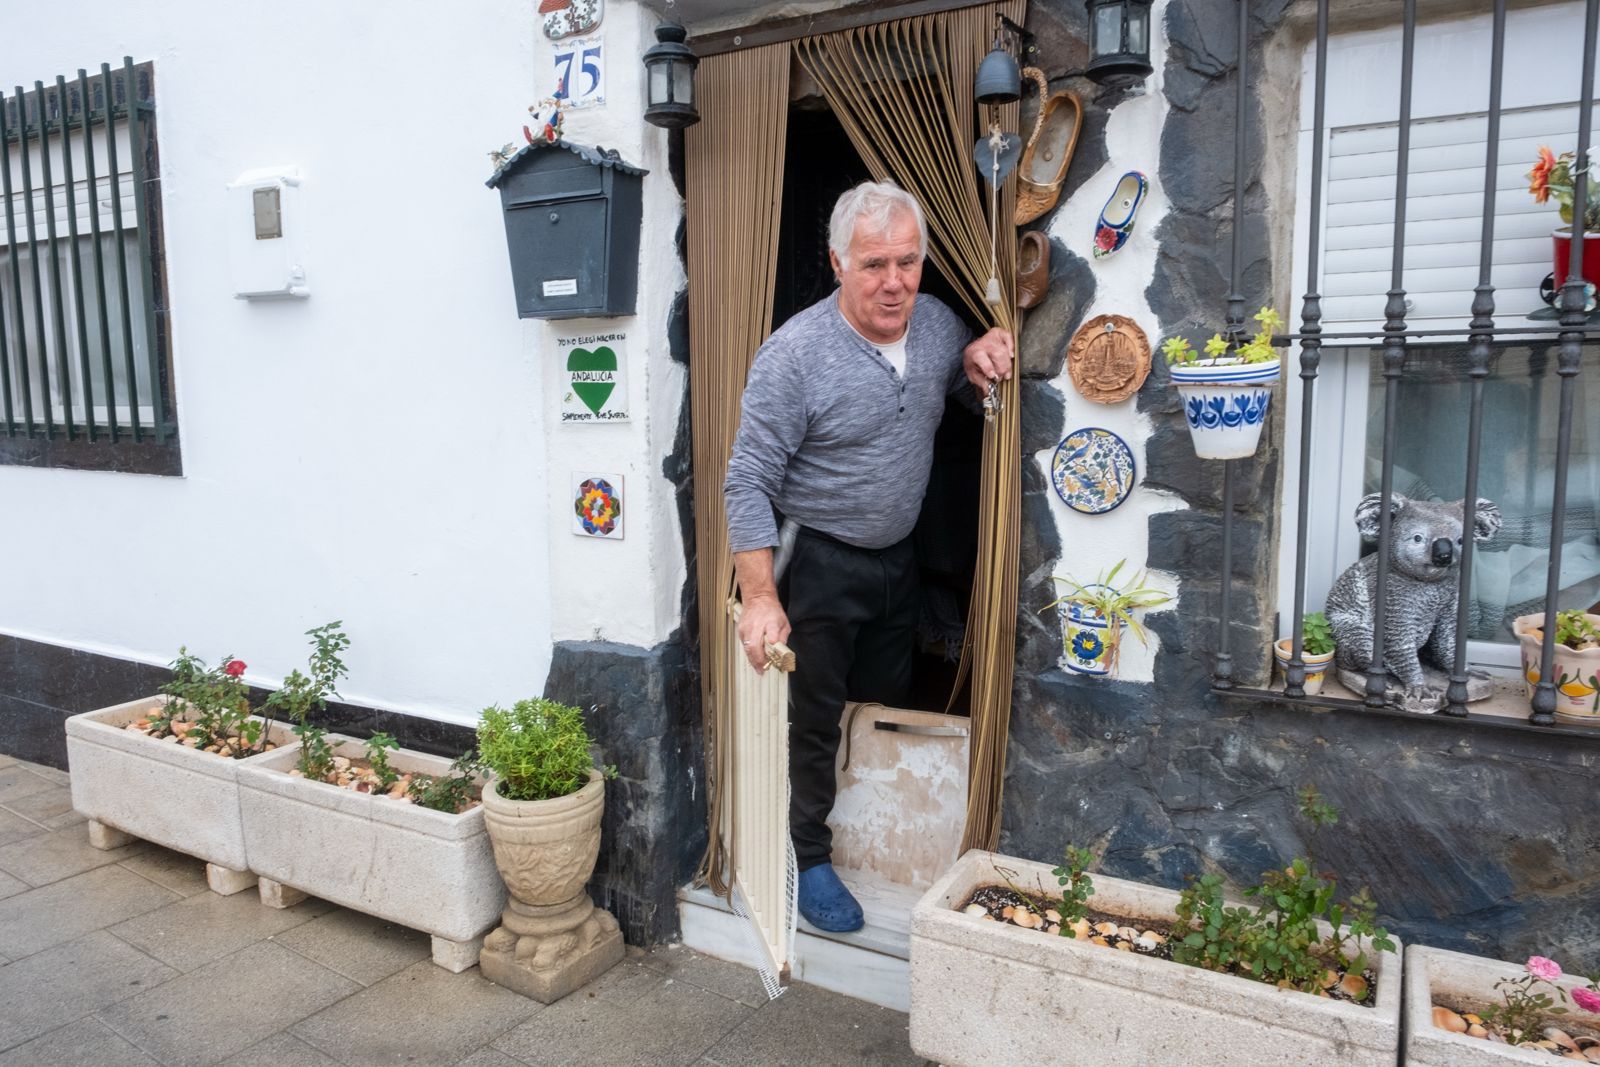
x=820 y=164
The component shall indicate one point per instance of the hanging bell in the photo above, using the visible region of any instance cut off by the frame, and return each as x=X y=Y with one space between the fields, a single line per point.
x=999 y=79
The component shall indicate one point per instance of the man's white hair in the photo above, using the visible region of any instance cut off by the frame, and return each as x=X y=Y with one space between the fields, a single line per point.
x=876 y=204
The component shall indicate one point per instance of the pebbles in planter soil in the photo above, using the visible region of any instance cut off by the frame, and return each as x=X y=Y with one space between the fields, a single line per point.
x=1584 y=1046
x=1124 y=934
x=357 y=775
x=233 y=747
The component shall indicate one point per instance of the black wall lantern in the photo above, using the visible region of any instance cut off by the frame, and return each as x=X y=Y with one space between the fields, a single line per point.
x=669 y=80
x=1119 y=42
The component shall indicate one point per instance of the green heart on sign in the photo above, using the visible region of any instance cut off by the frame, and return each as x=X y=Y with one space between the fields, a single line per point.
x=593 y=394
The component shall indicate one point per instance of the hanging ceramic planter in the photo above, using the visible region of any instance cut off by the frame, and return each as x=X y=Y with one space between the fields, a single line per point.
x=1090 y=641
x=1228 y=392
x=1226 y=403
x=1094 y=616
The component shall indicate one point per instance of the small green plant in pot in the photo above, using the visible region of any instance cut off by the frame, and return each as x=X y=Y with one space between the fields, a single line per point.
x=543 y=809
x=1316 y=651
x=1575 y=666
x=1094 y=615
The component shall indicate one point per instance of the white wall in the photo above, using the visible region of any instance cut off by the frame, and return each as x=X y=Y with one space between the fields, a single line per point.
x=382 y=452
x=1093 y=544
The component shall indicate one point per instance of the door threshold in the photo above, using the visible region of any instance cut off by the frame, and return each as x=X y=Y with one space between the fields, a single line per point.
x=869 y=964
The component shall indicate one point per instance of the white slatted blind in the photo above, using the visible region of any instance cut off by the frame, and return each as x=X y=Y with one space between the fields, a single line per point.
x=1444 y=217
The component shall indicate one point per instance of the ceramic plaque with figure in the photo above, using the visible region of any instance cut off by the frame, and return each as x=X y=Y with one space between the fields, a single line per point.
x=1419 y=631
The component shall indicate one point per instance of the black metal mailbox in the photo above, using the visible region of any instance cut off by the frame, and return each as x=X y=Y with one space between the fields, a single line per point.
x=572 y=226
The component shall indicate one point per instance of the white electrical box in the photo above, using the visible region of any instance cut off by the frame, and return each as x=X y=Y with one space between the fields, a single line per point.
x=265 y=234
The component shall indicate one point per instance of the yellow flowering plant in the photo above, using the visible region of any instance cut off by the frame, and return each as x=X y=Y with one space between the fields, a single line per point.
x=1257 y=349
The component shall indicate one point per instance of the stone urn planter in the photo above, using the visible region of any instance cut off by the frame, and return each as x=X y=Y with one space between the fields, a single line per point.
x=429 y=870
x=1226 y=403
x=552 y=939
x=1577 y=671
x=1461 y=983
x=157 y=790
x=985 y=992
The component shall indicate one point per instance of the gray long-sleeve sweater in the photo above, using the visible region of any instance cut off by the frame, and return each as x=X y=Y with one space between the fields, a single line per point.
x=832 y=437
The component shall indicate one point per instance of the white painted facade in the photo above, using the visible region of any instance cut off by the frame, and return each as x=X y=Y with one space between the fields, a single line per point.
x=1093 y=544
x=387 y=451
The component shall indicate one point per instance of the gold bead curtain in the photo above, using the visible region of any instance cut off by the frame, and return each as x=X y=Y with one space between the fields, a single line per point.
x=903 y=92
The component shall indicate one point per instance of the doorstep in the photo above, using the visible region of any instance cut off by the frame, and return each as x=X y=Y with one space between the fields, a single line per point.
x=869 y=964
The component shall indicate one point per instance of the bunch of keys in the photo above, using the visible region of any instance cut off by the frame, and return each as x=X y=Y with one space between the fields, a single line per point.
x=991 y=403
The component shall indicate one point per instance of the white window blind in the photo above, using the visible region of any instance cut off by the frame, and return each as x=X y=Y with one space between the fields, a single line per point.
x=1444 y=217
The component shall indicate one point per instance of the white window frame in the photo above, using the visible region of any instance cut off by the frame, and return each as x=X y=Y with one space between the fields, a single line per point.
x=1451 y=77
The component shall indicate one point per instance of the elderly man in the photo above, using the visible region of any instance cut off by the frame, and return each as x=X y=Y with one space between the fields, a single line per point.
x=837 y=436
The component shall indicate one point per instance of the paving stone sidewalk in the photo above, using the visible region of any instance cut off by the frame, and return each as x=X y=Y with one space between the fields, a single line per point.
x=126 y=958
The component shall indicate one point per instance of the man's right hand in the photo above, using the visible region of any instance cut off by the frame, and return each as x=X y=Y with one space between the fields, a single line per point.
x=762 y=622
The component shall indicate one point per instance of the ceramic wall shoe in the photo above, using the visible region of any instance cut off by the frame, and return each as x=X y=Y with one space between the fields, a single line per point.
x=1116 y=218
x=1033 y=269
x=1049 y=150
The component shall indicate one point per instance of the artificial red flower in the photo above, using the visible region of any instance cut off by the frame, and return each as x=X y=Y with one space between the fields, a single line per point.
x=1539 y=176
x=1105 y=238
x=234 y=668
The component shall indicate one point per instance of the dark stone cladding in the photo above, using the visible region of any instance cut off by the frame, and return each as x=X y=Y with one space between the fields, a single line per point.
x=1471 y=836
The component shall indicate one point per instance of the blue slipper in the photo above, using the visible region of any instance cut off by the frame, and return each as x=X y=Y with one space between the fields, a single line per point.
x=825 y=902
x=1116 y=218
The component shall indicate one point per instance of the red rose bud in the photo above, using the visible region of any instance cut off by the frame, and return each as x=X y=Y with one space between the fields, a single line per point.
x=234 y=669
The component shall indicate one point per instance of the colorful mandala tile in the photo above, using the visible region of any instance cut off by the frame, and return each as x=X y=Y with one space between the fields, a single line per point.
x=1093 y=470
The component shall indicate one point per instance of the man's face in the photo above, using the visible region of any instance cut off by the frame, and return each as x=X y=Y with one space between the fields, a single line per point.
x=877 y=289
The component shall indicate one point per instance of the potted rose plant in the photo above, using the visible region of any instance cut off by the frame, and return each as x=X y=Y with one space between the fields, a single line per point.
x=1228 y=391
x=1553 y=176
x=165 y=768
x=1316 y=651
x=1468 y=1011
x=543 y=808
x=1577 y=662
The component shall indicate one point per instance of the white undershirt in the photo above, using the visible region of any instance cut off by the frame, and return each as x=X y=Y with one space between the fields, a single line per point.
x=895 y=352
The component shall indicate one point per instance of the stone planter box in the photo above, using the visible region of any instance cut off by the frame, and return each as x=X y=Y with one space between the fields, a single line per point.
x=1465 y=983
x=984 y=992
x=411 y=865
x=159 y=791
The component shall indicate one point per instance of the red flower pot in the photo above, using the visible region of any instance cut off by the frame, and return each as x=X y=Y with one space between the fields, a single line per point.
x=1563 y=255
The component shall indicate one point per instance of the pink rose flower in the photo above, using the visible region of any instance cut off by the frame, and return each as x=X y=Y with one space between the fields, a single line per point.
x=1587 y=999
x=1540 y=967
x=234 y=668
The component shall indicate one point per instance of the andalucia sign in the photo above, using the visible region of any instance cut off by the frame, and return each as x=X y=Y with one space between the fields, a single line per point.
x=594 y=383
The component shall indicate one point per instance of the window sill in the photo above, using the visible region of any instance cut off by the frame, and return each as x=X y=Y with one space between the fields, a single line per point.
x=125 y=456
x=1503 y=711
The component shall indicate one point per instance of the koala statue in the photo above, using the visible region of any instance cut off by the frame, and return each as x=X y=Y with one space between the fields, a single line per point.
x=1419 y=642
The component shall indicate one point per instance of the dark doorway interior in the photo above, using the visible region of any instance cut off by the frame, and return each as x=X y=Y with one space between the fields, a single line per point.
x=820 y=164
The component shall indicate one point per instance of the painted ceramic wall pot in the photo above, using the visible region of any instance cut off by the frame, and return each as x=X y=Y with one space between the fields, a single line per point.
x=1090 y=641
x=1226 y=404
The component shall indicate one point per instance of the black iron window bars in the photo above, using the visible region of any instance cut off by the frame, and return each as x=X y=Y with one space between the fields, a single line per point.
x=1481 y=334
x=83 y=334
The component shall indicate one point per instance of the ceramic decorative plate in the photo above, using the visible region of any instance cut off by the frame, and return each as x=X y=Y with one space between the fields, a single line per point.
x=1093 y=470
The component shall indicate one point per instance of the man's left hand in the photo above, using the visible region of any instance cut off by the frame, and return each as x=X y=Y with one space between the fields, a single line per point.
x=988 y=359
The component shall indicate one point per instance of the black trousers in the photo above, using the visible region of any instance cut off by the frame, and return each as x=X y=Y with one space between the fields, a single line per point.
x=852 y=617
